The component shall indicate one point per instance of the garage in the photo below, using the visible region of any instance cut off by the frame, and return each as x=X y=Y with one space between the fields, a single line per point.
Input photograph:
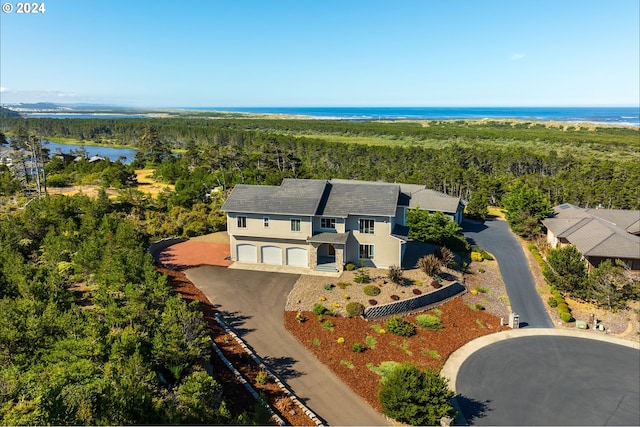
x=271 y=255
x=247 y=253
x=297 y=257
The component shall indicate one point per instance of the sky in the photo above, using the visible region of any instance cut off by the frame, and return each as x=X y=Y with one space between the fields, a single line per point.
x=240 y=53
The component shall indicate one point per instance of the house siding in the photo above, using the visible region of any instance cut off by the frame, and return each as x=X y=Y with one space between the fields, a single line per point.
x=279 y=226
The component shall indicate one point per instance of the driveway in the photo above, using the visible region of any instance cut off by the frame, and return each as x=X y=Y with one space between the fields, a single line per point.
x=253 y=303
x=550 y=380
x=496 y=237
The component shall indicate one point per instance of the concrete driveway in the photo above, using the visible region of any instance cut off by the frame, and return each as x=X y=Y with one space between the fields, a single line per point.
x=496 y=237
x=253 y=303
x=550 y=380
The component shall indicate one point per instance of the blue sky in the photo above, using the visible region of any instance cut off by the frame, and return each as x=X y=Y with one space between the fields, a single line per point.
x=237 y=53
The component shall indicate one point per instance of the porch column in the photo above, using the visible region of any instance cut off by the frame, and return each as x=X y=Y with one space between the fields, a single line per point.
x=313 y=255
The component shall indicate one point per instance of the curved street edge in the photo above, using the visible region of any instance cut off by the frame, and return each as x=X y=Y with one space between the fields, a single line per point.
x=452 y=366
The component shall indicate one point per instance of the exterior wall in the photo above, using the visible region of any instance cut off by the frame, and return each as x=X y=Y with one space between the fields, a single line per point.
x=279 y=226
x=633 y=264
x=401 y=215
x=386 y=248
x=551 y=239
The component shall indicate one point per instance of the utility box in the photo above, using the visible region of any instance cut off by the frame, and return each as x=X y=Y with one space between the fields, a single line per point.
x=581 y=324
x=514 y=321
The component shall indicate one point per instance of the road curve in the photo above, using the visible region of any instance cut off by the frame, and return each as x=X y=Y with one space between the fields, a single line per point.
x=496 y=237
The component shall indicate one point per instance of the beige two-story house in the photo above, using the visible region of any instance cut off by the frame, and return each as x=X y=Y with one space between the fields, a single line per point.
x=322 y=225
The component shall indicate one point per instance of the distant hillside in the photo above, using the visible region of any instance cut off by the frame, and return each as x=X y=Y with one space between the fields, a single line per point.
x=5 y=112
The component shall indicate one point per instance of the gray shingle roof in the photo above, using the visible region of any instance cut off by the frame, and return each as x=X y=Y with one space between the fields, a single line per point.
x=336 y=198
x=593 y=234
x=293 y=197
x=360 y=199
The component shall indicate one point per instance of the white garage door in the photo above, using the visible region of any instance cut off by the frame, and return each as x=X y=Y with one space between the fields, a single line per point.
x=297 y=257
x=271 y=255
x=247 y=253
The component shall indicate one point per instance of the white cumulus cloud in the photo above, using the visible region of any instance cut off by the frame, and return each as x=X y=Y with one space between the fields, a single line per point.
x=516 y=56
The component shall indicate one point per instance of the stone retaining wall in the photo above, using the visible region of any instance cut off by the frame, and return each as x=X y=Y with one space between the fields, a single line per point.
x=414 y=303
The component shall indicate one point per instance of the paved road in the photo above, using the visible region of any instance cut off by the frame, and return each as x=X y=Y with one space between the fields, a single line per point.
x=253 y=303
x=496 y=237
x=551 y=380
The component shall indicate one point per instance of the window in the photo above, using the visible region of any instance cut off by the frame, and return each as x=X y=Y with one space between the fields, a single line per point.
x=295 y=225
x=242 y=222
x=265 y=222
x=328 y=223
x=366 y=251
x=367 y=226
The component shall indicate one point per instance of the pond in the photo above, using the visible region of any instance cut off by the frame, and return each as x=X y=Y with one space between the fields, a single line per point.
x=127 y=155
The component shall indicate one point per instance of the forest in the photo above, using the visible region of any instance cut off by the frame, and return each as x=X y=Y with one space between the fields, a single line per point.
x=587 y=167
x=91 y=333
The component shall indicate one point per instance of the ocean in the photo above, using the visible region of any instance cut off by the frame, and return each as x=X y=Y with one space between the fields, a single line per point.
x=626 y=116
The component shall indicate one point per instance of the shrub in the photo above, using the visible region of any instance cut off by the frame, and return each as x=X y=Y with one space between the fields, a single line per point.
x=399 y=326
x=327 y=325
x=476 y=257
x=343 y=285
x=319 y=309
x=415 y=397
x=329 y=287
x=552 y=302
x=261 y=377
x=395 y=274
x=395 y=297
x=417 y=292
x=355 y=309
x=429 y=264
x=373 y=302
x=371 y=341
x=479 y=307
x=417 y=282
x=429 y=321
x=566 y=317
x=357 y=347
x=482 y=290
x=563 y=308
x=436 y=284
x=371 y=290
x=362 y=275
x=340 y=340
x=481 y=270
x=446 y=256
x=350 y=266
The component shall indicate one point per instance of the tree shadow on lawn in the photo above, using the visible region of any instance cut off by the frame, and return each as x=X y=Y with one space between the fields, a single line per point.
x=472 y=409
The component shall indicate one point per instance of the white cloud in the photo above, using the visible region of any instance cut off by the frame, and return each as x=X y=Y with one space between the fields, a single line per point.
x=516 y=56
x=3 y=89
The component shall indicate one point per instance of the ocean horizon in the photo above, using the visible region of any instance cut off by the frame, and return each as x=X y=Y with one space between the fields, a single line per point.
x=625 y=116
x=620 y=116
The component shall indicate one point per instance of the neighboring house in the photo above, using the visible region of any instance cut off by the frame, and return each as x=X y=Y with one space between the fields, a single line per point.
x=321 y=224
x=599 y=234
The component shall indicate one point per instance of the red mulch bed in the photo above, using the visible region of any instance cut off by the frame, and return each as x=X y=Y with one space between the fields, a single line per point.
x=426 y=349
x=192 y=253
x=236 y=396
